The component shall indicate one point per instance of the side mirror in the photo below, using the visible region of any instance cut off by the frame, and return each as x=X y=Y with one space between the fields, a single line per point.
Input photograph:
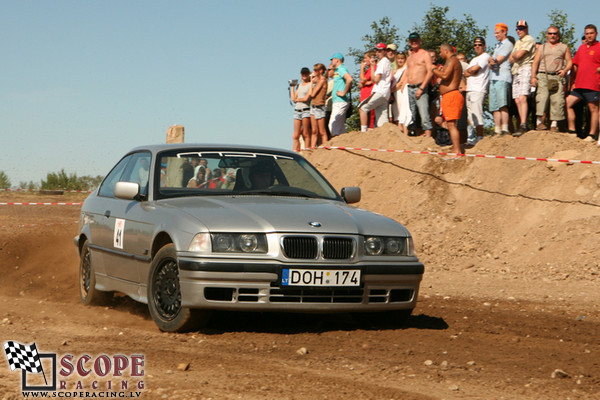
x=127 y=190
x=351 y=194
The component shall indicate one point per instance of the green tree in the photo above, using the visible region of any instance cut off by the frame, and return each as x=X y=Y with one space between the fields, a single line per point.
x=560 y=19
x=4 y=181
x=60 y=180
x=382 y=32
x=28 y=185
x=437 y=28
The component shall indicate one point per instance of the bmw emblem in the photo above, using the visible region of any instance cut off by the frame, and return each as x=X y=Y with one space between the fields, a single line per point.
x=315 y=224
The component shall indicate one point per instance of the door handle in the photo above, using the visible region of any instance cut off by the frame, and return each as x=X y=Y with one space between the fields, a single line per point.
x=107 y=213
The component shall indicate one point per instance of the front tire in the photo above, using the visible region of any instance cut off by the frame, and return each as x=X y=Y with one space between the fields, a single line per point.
x=88 y=293
x=164 y=295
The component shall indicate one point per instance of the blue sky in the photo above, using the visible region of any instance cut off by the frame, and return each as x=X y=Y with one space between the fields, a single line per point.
x=83 y=82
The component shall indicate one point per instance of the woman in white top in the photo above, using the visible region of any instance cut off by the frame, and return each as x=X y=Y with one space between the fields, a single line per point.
x=400 y=104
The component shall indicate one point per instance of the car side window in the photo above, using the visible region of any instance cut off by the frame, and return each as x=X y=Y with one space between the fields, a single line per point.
x=138 y=171
x=107 y=189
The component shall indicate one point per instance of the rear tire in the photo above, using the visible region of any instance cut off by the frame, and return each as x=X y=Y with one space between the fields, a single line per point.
x=164 y=295
x=88 y=293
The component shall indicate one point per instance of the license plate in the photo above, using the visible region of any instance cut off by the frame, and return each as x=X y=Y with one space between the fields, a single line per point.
x=320 y=277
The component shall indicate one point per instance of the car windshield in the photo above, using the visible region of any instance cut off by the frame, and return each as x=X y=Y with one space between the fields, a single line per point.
x=207 y=173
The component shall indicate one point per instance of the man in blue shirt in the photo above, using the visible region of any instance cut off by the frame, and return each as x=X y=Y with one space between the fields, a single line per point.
x=500 y=79
x=342 y=80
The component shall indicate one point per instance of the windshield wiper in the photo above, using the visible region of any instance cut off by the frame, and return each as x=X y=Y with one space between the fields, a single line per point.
x=282 y=193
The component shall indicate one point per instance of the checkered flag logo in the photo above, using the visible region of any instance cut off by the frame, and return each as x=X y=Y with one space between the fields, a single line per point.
x=23 y=357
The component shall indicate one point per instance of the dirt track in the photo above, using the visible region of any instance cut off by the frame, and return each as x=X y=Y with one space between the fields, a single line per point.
x=490 y=323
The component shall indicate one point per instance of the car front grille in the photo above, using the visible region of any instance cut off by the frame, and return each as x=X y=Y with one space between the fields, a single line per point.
x=303 y=247
x=277 y=294
x=287 y=295
x=338 y=248
x=307 y=247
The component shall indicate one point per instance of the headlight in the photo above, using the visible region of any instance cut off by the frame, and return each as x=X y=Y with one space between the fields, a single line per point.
x=373 y=246
x=389 y=246
x=239 y=243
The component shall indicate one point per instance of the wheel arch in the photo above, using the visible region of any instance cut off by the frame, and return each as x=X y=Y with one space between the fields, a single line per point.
x=161 y=239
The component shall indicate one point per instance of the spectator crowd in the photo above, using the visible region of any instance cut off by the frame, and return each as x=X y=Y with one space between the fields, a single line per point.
x=537 y=85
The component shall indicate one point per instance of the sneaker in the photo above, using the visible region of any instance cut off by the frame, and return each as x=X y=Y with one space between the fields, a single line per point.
x=589 y=139
x=554 y=129
x=522 y=130
x=541 y=127
x=572 y=132
x=504 y=133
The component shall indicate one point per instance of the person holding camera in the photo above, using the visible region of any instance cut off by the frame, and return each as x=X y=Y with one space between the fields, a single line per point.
x=317 y=106
x=301 y=95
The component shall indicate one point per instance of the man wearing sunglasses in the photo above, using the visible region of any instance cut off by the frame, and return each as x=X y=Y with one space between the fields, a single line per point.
x=500 y=79
x=521 y=59
x=551 y=64
x=478 y=77
x=586 y=66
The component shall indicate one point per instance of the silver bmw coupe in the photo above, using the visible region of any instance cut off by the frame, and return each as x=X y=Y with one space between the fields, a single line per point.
x=191 y=228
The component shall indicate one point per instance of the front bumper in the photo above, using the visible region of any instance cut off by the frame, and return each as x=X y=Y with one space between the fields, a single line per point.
x=257 y=287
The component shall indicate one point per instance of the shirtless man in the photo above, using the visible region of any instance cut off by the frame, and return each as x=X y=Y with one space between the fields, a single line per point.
x=417 y=76
x=452 y=100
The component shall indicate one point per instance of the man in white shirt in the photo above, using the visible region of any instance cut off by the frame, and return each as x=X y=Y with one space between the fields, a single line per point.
x=478 y=78
x=380 y=95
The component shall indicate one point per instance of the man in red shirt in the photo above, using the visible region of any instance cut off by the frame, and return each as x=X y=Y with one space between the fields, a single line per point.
x=586 y=67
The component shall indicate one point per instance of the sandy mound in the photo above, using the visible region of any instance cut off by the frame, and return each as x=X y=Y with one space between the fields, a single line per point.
x=523 y=218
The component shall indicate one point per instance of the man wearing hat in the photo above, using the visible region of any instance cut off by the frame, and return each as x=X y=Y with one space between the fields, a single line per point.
x=500 y=79
x=378 y=101
x=391 y=51
x=522 y=58
x=342 y=80
x=417 y=75
x=478 y=78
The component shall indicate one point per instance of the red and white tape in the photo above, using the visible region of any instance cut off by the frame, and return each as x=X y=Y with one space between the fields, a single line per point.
x=34 y=225
x=41 y=204
x=439 y=153
x=46 y=190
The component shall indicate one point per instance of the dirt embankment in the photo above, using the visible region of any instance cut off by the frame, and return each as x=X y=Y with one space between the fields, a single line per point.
x=510 y=293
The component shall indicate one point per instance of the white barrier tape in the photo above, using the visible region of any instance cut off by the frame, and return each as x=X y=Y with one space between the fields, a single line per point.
x=34 y=225
x=41 y=204
x=439 y=153
x=46 y=190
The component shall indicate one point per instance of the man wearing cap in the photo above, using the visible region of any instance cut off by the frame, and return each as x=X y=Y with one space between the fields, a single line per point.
x=521 y=58
x=586 y=66
x=478 y=78
x=391 y=51
x=378 y=101
x=551 y=64
x=500 y=79
x=417 y=75
x=342 y=80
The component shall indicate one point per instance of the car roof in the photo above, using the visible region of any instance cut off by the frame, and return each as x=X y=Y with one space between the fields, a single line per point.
x=156 y=148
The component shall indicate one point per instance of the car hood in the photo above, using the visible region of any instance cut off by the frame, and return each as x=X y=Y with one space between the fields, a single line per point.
x=283 y=214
